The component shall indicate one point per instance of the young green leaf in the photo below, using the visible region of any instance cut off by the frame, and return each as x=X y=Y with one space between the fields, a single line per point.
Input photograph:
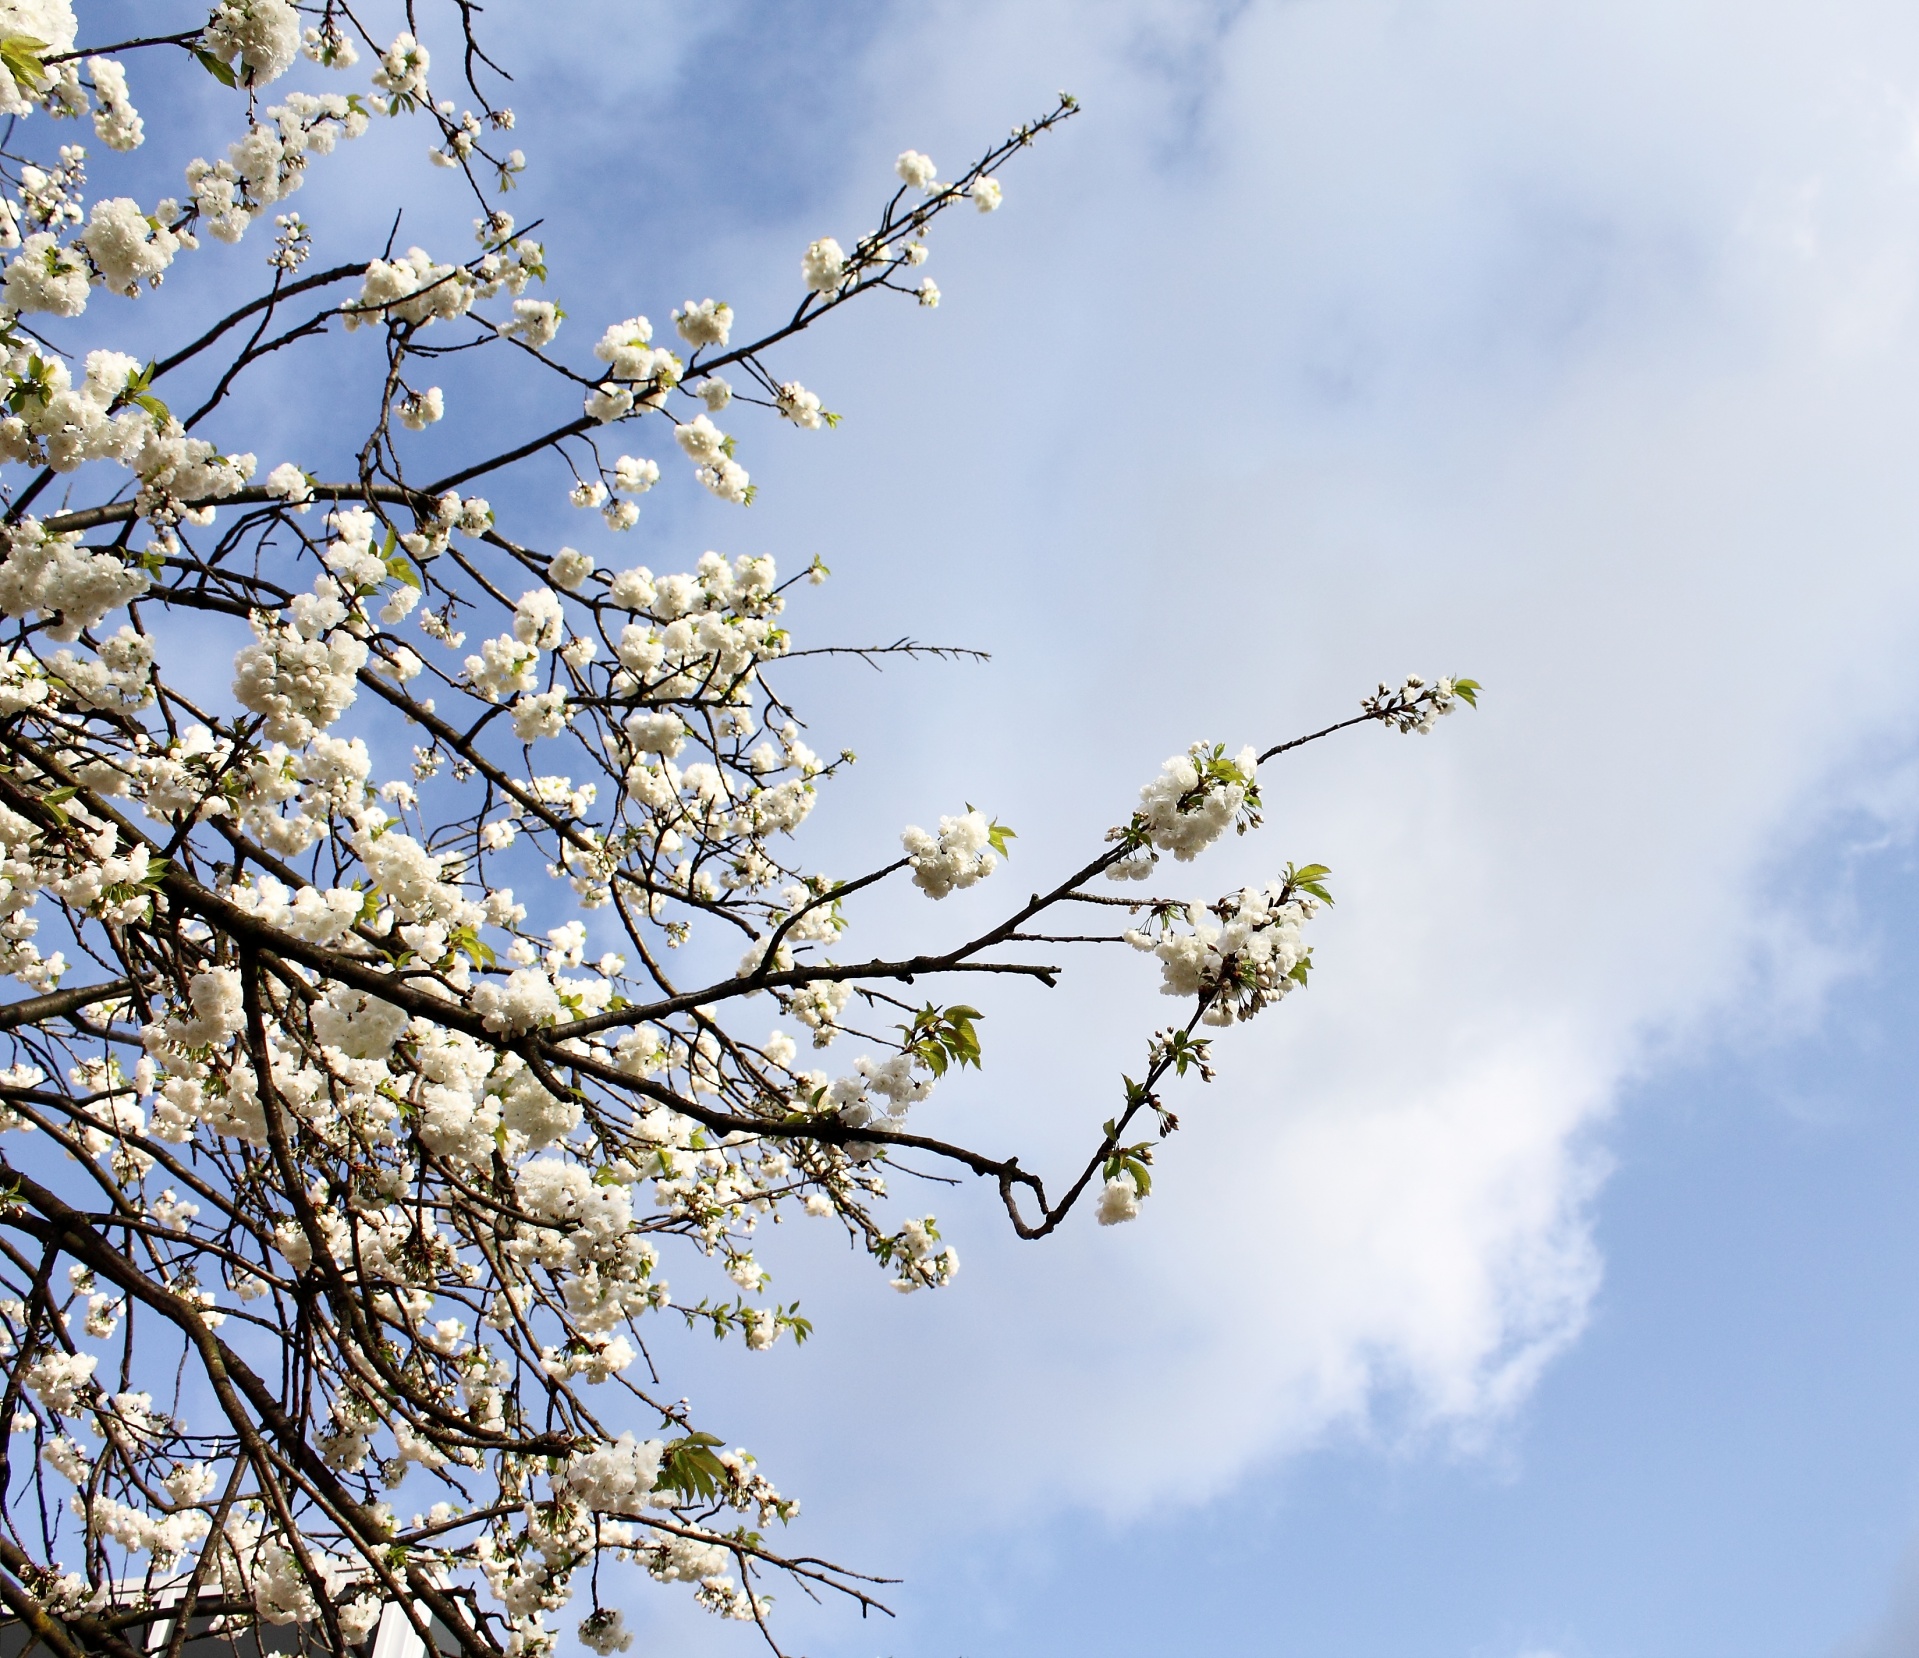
x=942 y=1037
x=689 y=1466
x=20 y=55
x=213 y=66
x=1310 y=878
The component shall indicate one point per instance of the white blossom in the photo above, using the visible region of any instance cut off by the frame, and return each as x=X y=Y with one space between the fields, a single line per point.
x=538 y=619
x=264 y=35
x=916 y=169
x=60 y=1380
x=824 y=266
x=569 y=569
x=44 y=276
x=403 y=71
x=800 y=406
x=116 y=122
x=957 y=857
x=419 y=410
x=702 y=441
x=291 y=485
x=525 y=1001
x=535 y=321
x=707 y=322
x=300 y=685
x=605 y=1632
x=1118 y=1201
x=634 y=475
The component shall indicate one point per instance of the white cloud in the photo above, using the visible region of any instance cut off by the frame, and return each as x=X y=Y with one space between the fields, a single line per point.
x=1572 y=349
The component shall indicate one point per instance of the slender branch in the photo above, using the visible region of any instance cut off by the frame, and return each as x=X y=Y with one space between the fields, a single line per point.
x=306 y=284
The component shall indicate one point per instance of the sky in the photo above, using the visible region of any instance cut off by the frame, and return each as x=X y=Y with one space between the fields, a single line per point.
x=1538 y=1285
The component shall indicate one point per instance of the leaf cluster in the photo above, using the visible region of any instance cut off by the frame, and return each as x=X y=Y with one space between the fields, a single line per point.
x=942 y=1037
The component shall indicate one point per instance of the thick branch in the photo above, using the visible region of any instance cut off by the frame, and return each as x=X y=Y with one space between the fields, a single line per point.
x=57 y=1003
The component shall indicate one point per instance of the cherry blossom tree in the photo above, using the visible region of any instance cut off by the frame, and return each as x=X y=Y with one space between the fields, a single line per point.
x=332 y=1163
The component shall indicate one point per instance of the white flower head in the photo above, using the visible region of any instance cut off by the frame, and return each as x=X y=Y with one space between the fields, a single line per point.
x=569 y=569
x=291 y=485
x=264 y=35
x=707 y=322
x=1118 y=1201
x=703 y=442
x=824 y=265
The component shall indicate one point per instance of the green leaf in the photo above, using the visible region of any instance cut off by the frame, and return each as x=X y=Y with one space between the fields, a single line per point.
x=218 y=70
x=943 y=1037
x=472 y=946
x=1467 y=690
x=1225 y=770
x=32 y=388
x=1310 y=878
x=20 y=54
x=689 y=1467
x=400 y=567
x=1132 y=1162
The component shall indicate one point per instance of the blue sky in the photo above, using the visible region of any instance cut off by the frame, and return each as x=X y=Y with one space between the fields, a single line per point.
x=1542 y=1282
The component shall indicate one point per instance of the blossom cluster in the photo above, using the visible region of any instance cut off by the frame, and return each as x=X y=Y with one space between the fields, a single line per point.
x=959 y=856
x=1195 y=799
x=1237 y=956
